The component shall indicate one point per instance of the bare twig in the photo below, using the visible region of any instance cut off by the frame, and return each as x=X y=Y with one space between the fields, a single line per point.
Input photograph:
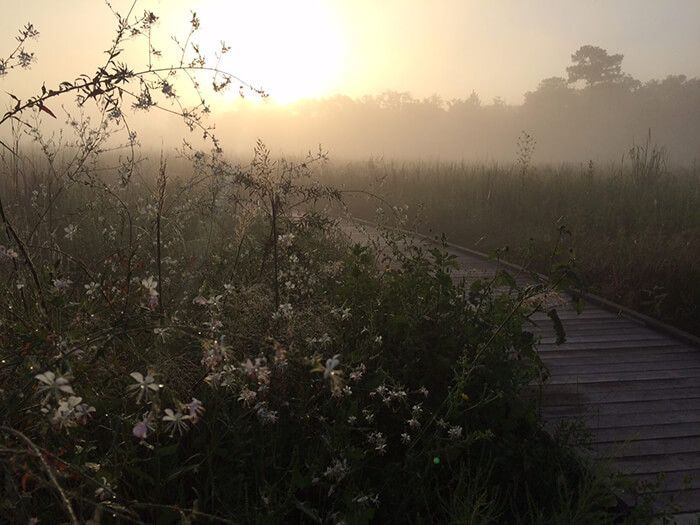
x=40 y=456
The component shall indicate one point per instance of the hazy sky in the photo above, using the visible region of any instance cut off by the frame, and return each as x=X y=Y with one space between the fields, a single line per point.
x=314 y=48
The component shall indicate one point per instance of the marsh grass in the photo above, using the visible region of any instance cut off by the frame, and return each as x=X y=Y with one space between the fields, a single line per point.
x=634 y=227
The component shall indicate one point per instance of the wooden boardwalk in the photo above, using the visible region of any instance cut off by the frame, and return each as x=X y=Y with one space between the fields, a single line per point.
x=635 y=386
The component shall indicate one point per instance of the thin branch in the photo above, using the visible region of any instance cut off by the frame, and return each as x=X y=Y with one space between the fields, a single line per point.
x=38 y=453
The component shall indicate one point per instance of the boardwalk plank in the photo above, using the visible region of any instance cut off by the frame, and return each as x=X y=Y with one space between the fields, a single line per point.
x=648 y=447
x=557 y=396
x=607 y=435
x=626 y=409
x=663 y=464
x=587 y=368
x=603 y=346
x=671 y=355
x=598 y=421
x=611 y=355
x=631 y=385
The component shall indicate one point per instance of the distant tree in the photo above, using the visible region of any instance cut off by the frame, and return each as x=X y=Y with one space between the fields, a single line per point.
x=553 y=91
x=553 y=84
x=474 y=100
x=671 y=87
x=499 y=102
x=594 y=65
x=460 y=104
x=395 y=100
x=435 y=101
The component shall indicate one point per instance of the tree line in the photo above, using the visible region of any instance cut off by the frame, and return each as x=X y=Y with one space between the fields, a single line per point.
x=594 y=113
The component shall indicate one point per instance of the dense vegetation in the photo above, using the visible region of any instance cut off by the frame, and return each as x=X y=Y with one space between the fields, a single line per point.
x=202 y=344
x=203 y=349
x=634 y=227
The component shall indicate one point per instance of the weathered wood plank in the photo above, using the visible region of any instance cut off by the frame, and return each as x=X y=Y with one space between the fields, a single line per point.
x=557 y=396
x=622 y=332
x=644 y=356
x=611 y=366
x=668 y=481
x=642 y=359
x=674 y=430
x=625 y=409
x=578 y=322
x=597 y=421
x=693 y=370
x=568 y=313
x=647 y=448
x=682 y=499
x=629 y=385
x=658 y=464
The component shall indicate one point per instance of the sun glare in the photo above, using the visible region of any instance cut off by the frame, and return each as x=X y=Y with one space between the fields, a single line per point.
x=292 y=50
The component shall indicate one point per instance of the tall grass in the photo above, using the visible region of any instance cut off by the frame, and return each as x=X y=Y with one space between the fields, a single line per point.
x=634 y=227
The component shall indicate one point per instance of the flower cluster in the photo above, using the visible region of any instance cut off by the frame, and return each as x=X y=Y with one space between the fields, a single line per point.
x=177 y=420
x=69 y=410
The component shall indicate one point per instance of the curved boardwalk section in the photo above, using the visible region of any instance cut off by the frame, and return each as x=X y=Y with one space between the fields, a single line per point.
x=636 y=388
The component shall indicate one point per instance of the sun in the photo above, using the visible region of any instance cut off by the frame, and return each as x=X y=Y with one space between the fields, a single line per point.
x=291 y=49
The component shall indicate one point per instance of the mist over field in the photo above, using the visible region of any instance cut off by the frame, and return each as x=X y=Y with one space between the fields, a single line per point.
x=570 y=123
x=599 y=123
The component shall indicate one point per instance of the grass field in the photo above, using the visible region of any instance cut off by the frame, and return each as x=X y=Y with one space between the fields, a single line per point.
x=634 y=228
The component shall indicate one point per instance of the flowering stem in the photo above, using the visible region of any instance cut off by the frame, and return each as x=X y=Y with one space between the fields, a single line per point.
x=162 y=181
x=27 y=259
x=275 y=203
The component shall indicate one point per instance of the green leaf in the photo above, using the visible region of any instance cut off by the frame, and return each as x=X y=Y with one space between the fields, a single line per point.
x=504 y=278
x=179 y=472
x=140 y=474
x=167 y=451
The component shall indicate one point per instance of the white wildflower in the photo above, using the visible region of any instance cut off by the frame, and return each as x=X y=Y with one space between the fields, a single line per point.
x=142 y=428
x=91 y=289
x=455 y=432
x=105 y=490
x=329 y=370
x=286 y=240
x=337 y=470
x=70 y=230
x=247 y=396
x=150 y=284
x=284 y=311
x=413 y=423
x=60 y=284
x=176 y=421
x=53 y=385
x=143 y=387
x=196 y=409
